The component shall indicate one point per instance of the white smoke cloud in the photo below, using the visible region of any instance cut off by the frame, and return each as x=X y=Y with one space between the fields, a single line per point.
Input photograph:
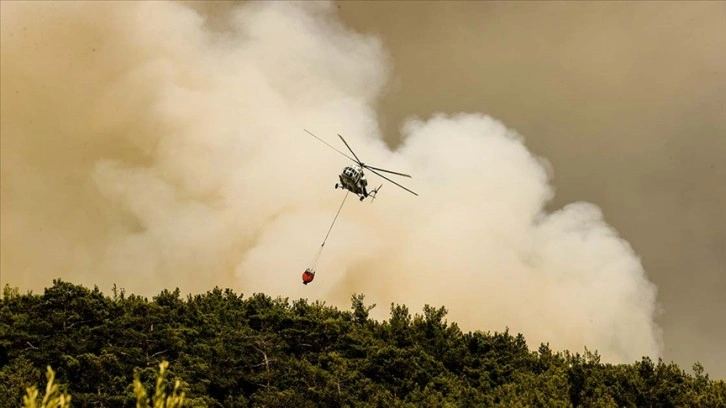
x=144 y=148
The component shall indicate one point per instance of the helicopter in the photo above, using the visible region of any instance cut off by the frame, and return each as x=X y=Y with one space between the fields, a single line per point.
x=352 y=178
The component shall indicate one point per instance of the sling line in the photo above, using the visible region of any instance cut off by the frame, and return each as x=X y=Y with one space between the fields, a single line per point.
x=320 y=250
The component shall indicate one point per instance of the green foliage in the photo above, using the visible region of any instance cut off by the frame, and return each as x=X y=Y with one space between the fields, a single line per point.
x=160 y=399
x=53 y=397
x=220 y=349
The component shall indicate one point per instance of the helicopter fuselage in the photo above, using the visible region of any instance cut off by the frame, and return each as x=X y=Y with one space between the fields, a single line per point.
x=353 y=180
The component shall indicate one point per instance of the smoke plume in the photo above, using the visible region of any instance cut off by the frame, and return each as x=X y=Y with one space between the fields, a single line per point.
x=148 y=146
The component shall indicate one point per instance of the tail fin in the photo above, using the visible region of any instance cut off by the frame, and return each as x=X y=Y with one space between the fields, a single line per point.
x=374 y=192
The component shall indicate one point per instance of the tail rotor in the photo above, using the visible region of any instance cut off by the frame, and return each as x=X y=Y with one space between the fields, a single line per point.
x=374 y=192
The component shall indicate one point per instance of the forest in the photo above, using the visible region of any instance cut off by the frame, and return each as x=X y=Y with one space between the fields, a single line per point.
x=227 y=350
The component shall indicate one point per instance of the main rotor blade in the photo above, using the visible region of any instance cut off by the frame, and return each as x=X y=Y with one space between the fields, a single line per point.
x=387 y=171
x=311 y=134
x=351 y=150
x=381 y=175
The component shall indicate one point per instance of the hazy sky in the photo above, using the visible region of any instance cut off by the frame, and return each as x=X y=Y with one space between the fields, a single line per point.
x=569 y=159
x=627 y=100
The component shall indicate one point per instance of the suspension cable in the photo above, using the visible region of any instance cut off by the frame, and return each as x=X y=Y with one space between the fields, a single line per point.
x=320 y=250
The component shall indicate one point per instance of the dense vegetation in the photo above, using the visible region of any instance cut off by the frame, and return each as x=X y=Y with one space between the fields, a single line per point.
x=231 y=351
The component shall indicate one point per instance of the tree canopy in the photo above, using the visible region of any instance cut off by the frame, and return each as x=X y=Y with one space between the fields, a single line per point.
x=225 y=350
